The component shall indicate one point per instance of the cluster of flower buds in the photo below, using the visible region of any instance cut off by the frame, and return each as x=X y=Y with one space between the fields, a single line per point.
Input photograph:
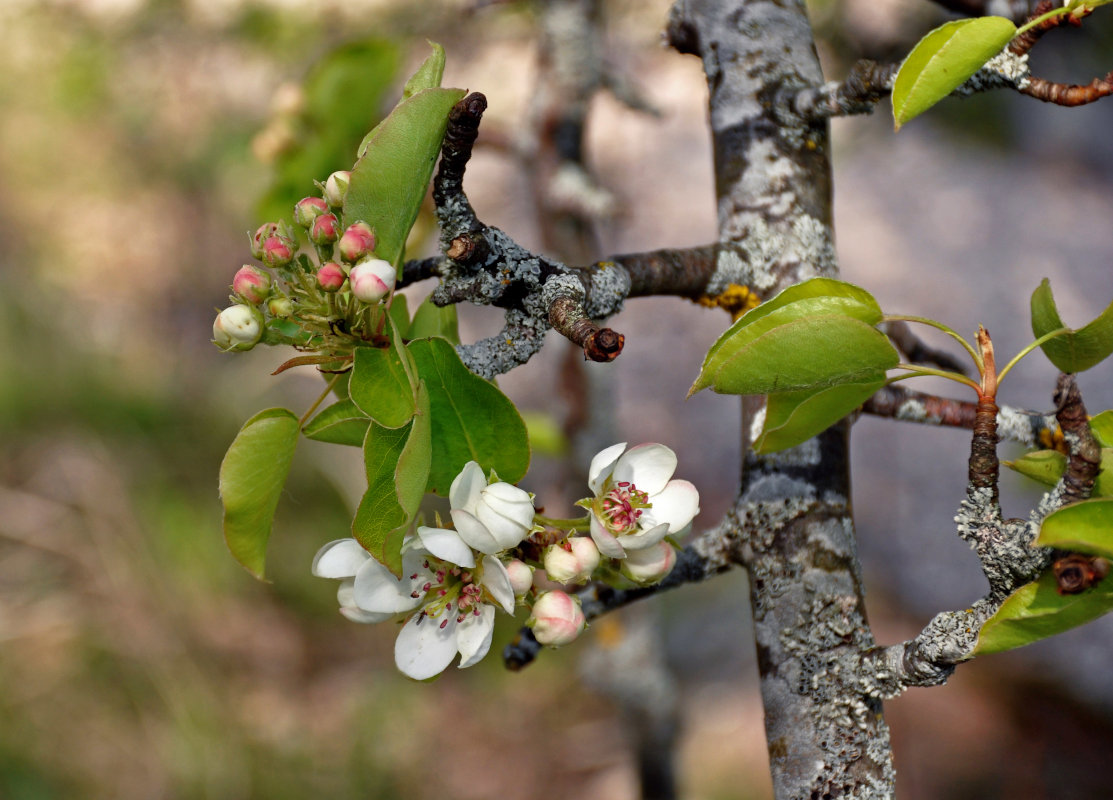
x=325 y=297
x=453 y=579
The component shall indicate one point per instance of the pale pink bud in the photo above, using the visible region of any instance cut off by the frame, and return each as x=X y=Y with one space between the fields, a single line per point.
x=521 y=576
x=649 y=565
x=308 y=209
x=280 y=306
x=372 y=280
x=571 y=562
x=331 y=277
x=252 y=284
x=264 y=231
x=238 y=327
x=357 y=242
x=336 y=188
x=325 y=229
x=278 y=251
x=557 y=618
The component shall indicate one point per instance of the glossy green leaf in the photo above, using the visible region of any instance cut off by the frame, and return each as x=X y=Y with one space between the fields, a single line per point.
x=400 y=312
x=251 y=479
x=1036 y=611
x=1045 y=466
x=381 y=521
x=388 y=182
x=432 y=320
x=1079 y=349
x=340 y=423
x=471 y=419
x=944 y=60
x=815 y=296
x=794 y=417
x=429 y=74
x=380 y=386
x=1102 y=427
x=813 y=352
x=1085 y=527
x=412 y=474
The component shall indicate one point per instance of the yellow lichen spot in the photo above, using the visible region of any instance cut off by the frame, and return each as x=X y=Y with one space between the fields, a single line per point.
x=609 y=632
x=1053 y=440
x=735 y=299
x=811 y=144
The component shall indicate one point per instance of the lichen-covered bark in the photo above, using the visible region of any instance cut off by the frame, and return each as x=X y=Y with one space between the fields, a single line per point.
x=792 y=518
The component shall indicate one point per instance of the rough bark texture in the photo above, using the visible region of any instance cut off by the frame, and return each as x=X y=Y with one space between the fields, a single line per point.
x=792 y=518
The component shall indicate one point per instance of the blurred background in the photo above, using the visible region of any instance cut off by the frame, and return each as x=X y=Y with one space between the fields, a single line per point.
x=141 y=139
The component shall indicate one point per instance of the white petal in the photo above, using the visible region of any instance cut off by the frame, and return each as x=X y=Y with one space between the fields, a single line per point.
x=423 y=648
x=647 y=466
x=346 y=596
x=474 y=634
x=602 y=465
x=645 y=538
x=676 y=504
x=474 y=532
x=606 y=542
x=496 y=579
x=465 y=488
x=510 y=501
x=447 y=545
x=379 y=591
x=339 y=559
x=507 y=532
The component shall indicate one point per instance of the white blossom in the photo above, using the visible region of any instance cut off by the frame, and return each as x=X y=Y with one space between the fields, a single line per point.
x=489 y=518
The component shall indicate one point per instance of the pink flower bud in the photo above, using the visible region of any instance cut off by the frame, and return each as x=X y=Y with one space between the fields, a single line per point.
x=521 y=576
x=278 y=251
x=238 y=327
x=372 y=280
x=557 y=618
x=649 y=565
x=336 y=188
x=331 y=277
x=571 y=562
x=357 y=242
x=280 y=306
x=325 y=230
x=308 y=209
x=252 y=284
x=264 y=231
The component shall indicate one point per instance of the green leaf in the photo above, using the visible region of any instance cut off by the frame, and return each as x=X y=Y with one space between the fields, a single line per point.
x=388 y=182
x=251 y=479
x=1077 y=350
x=471 y=419
x=1045 y=466
x=432 y=320
x=400 y=312
x=1037 y=610
x=380 y=386
x=819 y=295
x=412 y=474
x=429 y=74
x=1102 y=427
x=340 y=423
x=812 y=352
x=381 y=521
x=794 y=417
x=943 y=60
x=1085 y=527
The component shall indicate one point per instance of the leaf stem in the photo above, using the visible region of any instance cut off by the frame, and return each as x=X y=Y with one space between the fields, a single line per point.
x=1030 y=348
x=916 y=370
x=1055 y=12
x=328 y=388
x=939 y=326
x=581 y=524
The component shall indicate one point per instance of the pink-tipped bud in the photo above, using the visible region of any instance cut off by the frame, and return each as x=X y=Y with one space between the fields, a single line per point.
x=308 y=209
x=331 y=277
x=649 y=565
x=264 y=231
x=372 y=280
x=357 y=242
x=521 y=576
x=238 y=327
x=281 y=307
x=325 y=230
x=573 y=562
x=252 y=284
x=557 y=618
x=336 y=188
x=278 y=251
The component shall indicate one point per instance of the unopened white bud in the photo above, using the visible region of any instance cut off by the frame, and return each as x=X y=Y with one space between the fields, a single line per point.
x=649 y=565
x=372 y=280
x=521 y=576
x=571 y=562
x=238 y=327
x=557 y=618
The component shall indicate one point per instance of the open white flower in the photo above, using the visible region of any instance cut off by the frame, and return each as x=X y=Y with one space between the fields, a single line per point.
x=489 y=518
x=454 y=597
x=636 y=503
